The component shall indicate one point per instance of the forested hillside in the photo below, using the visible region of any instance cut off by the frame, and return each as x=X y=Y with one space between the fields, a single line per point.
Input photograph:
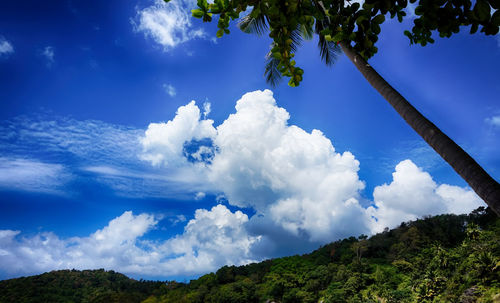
x=445 y=258
x=77 y=286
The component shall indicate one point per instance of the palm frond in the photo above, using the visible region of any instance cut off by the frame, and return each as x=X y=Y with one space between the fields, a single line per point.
x=272 y=74
x=307 y=31
x=253 y=25
x=296 y=37
x=328 y=50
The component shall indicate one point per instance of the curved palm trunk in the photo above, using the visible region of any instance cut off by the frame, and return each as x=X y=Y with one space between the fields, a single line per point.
x=478 y=179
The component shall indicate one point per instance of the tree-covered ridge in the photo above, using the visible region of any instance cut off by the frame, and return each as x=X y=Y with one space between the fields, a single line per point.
x=445 y=258
x=77 y=286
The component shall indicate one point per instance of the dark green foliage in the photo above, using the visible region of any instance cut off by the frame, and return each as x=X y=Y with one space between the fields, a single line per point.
x=445 y=258
x=334 y=21
x=78 y=286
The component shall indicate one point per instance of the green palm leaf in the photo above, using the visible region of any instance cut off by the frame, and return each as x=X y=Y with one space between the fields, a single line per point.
x=328 y=50
x=271 y=72
x=253 y=25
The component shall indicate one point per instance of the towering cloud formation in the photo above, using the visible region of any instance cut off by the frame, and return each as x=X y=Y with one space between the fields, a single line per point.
x=294 y=177
x=295 y=180
x=303 y=193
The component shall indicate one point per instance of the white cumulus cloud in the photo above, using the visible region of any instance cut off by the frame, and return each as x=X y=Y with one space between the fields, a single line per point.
x=114 y=246
x=163 y=142
x=281 y=170
x=413 y=194
x=296 y=181
x=292 y=177
x=213 y=238
x=168 y=24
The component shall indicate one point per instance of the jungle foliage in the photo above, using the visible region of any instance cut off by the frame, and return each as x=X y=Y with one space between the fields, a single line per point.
x=446 y=258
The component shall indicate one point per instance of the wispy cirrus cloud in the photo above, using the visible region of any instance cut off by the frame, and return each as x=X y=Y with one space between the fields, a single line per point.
x=416 y=150
x=32 y=175
x=91 y=141
x=104 y=152
x=146 y=182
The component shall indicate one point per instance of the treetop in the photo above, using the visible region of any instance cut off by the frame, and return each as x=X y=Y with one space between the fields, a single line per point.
x=338 y=21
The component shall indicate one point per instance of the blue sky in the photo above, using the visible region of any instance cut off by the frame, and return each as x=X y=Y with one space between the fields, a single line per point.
x=106 y=162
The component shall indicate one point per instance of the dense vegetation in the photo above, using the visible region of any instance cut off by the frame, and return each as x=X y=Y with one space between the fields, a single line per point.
x=77 y=286
x=445 y=258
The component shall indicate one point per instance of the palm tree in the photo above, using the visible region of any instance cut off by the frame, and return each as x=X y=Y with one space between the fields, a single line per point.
x=478 y=179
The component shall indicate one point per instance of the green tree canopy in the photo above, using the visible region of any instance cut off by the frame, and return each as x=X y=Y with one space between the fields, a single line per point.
x=335 y=21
